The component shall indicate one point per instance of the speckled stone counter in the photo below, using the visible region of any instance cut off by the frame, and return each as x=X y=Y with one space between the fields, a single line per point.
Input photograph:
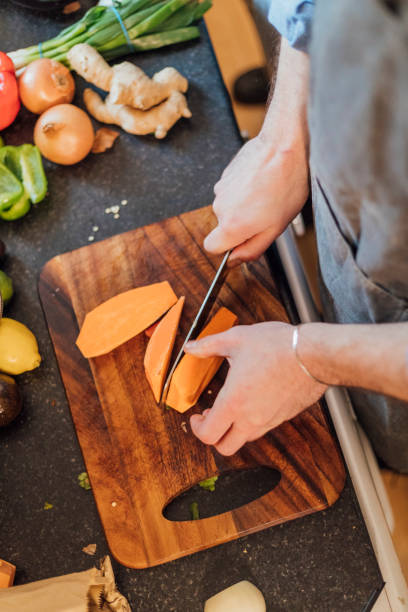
x=321 y=562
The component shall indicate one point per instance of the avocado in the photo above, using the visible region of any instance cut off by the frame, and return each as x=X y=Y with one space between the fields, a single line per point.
x=10 y=400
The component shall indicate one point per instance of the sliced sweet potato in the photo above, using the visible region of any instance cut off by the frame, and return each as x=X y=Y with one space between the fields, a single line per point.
x=150 y=330
x=160 y=347
x=193 y=374
x=122 y=317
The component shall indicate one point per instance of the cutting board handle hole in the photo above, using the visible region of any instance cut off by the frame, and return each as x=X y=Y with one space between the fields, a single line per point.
x=233 y=489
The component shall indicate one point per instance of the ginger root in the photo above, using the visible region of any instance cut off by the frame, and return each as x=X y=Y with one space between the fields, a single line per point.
x=127 y=83
x=135 y=102
x=131 y=86
x=90 y=65
x=157 y=120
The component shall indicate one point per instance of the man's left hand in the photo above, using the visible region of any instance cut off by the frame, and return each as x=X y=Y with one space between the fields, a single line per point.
x=264 y=387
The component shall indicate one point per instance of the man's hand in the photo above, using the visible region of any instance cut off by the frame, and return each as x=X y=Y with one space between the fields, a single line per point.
x=267 y=183
x=259 y=194
x=264 y=387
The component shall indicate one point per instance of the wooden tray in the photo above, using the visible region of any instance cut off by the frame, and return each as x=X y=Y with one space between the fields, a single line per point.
x=139 y=457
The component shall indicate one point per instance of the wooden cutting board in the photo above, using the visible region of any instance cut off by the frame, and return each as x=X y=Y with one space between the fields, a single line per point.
x=140 y=457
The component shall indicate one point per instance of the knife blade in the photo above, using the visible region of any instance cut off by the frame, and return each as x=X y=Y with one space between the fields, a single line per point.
x=199 y=320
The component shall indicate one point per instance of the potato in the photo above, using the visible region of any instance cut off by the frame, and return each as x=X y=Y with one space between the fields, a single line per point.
x=240 y=597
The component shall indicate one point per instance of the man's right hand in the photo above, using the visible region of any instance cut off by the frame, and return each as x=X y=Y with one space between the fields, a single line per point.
x=267 y=183
x=258 y=195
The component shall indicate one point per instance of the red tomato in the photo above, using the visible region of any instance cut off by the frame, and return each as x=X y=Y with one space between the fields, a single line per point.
x=9 y=100
x=6 y=64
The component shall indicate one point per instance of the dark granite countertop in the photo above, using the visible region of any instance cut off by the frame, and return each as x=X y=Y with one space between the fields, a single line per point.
x=321 y=562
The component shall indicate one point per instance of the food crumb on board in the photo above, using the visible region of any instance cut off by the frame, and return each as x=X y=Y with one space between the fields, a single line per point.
x=95 y=228
x=124 y=202
x=91 y=238
x=209 y=392
x=184 y=426
x=116 y=216
x=115 y=209
x=114 y=504
x=90 y=549
x=83 y=481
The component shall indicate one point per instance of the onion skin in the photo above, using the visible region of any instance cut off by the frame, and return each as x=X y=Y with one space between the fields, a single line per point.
x=45 y=83
x=64 y=134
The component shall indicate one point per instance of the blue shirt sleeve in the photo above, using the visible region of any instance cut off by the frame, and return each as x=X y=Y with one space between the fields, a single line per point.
x=293 y=19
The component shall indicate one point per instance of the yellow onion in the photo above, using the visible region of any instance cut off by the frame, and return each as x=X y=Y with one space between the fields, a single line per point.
x=64 y=134
x=45 y=83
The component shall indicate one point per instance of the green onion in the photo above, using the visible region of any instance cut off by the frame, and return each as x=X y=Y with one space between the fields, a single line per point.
x=194 y=512
x=150 y=24
x=209 y=483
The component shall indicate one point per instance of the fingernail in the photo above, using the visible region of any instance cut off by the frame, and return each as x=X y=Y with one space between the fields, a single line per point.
x=192 y=344
x=233 y=263
x=207 y=242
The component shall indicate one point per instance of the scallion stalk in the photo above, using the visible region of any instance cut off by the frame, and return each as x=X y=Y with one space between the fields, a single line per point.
x=150 y=24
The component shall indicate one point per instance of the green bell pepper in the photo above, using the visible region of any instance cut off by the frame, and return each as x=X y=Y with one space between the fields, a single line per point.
x=10 y=187
x=15 y=210
x=26 y=163
x=34 y=180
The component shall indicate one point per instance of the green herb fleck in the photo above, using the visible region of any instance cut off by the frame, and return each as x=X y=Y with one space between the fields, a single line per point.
x=195 y=515
x=83 y=481
x=48 y=506
x=209 y=483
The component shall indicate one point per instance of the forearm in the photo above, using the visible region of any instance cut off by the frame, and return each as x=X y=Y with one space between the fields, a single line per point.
x=285 y=124
x=373 y=357
x=267 y=183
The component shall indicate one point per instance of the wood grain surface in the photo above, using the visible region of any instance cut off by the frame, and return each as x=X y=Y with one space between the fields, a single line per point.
x=140 y=457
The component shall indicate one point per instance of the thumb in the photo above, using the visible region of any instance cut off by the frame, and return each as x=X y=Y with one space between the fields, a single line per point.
x=219 y=241
x=216 y=345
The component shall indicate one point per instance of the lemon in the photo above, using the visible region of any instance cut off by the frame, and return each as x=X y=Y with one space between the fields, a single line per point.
x=18 y=347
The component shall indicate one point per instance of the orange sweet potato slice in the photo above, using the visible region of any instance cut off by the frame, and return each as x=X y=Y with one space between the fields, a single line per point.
x=160 y=347
x=122 y=317
x=150 y=330
x=193 y=374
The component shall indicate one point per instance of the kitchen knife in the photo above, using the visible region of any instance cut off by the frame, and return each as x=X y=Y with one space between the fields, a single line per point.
x=199 y=320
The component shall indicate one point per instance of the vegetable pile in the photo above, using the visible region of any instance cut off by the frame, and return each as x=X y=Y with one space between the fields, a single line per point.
x=150 y=24
x=128 y=314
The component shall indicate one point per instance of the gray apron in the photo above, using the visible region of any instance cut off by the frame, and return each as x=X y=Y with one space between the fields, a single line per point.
x=358 y=118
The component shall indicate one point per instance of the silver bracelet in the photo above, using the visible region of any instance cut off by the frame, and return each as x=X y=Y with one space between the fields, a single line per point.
x=295 y=339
